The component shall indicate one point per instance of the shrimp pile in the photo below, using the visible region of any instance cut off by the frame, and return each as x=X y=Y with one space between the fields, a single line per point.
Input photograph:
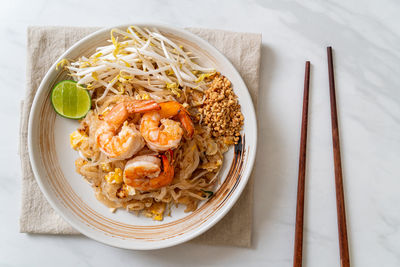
x=142 y=146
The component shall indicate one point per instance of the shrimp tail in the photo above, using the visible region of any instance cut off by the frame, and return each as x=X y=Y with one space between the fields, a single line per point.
x=141 y=106
x=172 y=109
x=121 y=111
x=166 y=177
x=187 y=123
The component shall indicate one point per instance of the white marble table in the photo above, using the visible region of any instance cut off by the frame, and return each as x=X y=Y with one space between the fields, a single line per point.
x=366 y=40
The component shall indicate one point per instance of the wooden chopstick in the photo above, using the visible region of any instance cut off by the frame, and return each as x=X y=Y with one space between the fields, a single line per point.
x=298 y=239
x=341 y=213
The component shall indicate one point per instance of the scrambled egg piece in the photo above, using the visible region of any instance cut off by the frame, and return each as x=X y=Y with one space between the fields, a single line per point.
x=114 y=177
x=77 y=138
x=130 y=190
x=145 y=96
x=157 y=211
x=126 y=191
x=105 y=166
x=210 y=166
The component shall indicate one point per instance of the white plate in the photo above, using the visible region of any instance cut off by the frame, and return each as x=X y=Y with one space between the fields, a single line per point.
x=53 y=162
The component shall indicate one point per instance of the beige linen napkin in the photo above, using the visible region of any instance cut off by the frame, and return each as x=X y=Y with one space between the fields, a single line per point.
x=45 y=45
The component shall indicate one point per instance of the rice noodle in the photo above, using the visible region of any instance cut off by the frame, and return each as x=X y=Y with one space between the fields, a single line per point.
x=142 y=66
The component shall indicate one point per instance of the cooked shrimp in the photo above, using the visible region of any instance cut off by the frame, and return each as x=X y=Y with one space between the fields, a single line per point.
x=169 y=133
x=144 y=172
x=128 y=141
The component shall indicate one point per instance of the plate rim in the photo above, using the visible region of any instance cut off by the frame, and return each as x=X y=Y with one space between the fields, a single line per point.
x=171 y=242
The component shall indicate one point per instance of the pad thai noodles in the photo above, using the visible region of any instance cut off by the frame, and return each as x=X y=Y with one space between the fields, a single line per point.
x=159 y=123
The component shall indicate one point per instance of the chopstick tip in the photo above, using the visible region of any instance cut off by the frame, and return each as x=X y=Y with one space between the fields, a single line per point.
x=308 y=66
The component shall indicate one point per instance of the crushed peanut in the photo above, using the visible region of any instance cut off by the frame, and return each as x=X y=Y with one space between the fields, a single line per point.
x=221 y=110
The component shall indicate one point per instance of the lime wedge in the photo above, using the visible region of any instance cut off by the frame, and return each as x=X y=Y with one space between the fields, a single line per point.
x=70 y=101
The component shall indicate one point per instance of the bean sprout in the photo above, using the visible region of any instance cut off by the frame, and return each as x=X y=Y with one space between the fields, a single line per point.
x=145 y=58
